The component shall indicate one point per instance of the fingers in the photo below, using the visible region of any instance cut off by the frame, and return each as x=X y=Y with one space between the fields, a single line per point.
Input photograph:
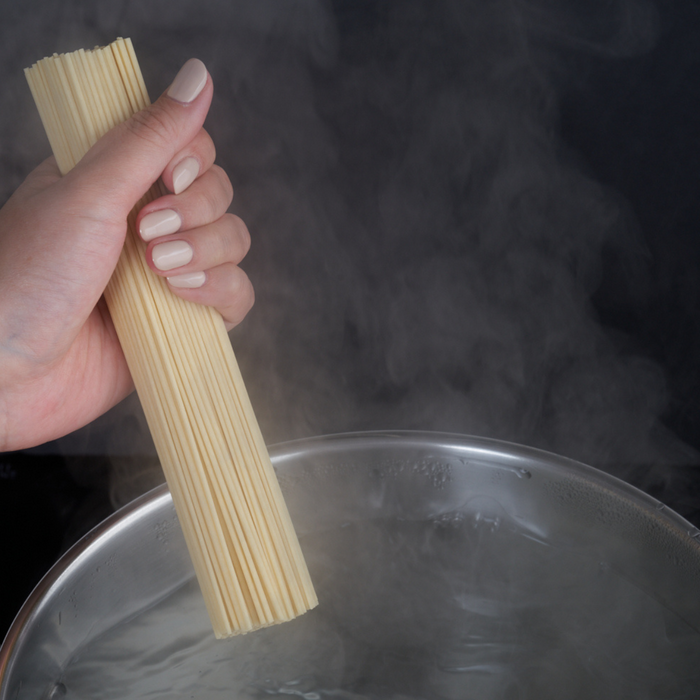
x=131 y=157
x=192 y=240
x=206 y=200
x=224 y=241
x=201 y=265
x=196 y=158
x=226 y=288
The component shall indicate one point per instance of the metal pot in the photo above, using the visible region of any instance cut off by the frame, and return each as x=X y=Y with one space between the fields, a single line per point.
x=446 y=566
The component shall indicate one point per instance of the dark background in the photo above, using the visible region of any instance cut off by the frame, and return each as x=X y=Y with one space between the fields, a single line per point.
x=629 y=122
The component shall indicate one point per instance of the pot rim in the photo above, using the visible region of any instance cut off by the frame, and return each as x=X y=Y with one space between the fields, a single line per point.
x=280 y=452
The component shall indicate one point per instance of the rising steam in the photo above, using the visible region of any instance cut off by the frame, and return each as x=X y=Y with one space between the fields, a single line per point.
x=425 y=248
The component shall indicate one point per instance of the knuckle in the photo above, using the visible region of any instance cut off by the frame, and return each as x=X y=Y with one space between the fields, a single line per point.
x=241 y=288
x=211 y=204
x=210 y=200
x=240 y=297
x=245 y=295
x=249 y=294
x=207 y=146
x=232 y=246
x=224 y=182
x=203 y=206
x=243 y=233
x=154 y=126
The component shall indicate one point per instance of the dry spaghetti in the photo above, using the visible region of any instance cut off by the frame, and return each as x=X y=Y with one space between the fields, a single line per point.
x=237 y=527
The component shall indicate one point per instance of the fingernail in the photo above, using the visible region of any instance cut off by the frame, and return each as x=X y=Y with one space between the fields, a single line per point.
x=190 y=280
x=168 y=256
x=159 y=223
x=184 y=174
x=189 y=81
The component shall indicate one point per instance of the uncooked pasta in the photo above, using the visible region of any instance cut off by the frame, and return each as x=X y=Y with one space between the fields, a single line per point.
x=246 y=555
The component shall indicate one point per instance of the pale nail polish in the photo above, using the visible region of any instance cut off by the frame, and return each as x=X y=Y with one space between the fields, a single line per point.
x=190 y=280
x=159 y=223
x=168 y=256
x=189 y=81
x=184 y=174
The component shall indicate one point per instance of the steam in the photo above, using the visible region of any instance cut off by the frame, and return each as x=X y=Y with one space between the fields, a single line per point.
x=425 y=248
x=436 y=268
x=415 y=608
x=619 y=29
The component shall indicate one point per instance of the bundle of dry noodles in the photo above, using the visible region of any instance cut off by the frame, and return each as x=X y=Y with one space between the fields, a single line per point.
x=240 y=537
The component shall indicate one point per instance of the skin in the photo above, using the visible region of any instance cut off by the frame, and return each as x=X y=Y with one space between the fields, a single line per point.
x=61 y=365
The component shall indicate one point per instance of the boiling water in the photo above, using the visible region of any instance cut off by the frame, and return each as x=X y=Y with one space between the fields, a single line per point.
x=470 y=606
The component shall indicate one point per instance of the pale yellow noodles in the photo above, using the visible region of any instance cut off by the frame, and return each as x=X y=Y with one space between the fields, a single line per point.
x=245 y=552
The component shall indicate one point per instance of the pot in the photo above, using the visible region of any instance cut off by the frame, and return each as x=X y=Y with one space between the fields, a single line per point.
x=446 y=567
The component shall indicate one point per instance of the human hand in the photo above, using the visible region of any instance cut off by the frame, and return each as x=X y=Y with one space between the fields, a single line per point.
x=61 y=364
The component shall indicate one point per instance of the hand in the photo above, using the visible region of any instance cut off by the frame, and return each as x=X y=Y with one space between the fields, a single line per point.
x=61 y=364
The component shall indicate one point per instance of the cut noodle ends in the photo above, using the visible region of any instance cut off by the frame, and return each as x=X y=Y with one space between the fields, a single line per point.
x=246 y=555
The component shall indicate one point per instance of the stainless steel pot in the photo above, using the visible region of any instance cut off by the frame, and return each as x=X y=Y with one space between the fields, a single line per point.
x=447 y=567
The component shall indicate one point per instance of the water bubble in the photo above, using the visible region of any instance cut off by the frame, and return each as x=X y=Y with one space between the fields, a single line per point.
x=453 y=518
x=523 y=474
x=487 y=520
x=485 y=513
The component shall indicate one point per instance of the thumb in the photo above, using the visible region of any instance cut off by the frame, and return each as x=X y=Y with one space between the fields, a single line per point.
x=126 y=161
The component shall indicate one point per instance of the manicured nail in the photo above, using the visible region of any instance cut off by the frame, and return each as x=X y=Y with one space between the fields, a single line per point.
x=184 y=174
x=189 y=81
x=159 y=223
x=190 y=280
x=168 y=256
